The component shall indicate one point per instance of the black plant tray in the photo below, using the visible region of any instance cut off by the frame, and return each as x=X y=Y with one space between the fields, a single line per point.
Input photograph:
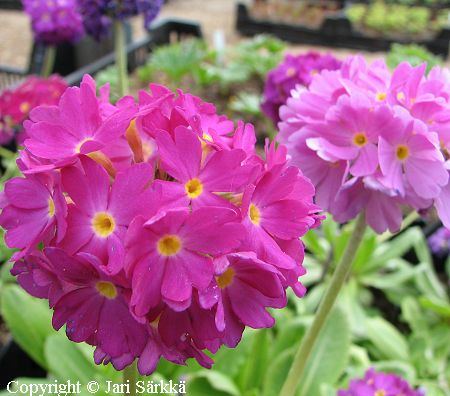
x=335 y=31
x=14 y=362
x=10 y=5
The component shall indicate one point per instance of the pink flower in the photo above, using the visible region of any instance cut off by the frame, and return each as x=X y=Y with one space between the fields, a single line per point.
x=378 y=383
x=279 y=205
x=243 y=288
x=372 y=141
x=164 y=233
x=294 y=70
x=169 y=254
x=94 y=307
x=412 y=151
x=99 y=215
x=199 y=179
x=16 y=105
x=34 y=210
x=74 y=127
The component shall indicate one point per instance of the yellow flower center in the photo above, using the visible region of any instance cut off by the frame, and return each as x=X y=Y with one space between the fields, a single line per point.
x=25 y=107
x=381 y=96
x=106 y=289
x=207 y=137
x=254 y=214
x=226 y=278
x=169 y=245
x=380 y=392
x=400 y=96
x=147 y=150
x=51 y=207
x=290 y=72
x=194 y=188
x=402 y=152
x=78 y=146
x=103 y=224
x=360 y=139
x=313 y=72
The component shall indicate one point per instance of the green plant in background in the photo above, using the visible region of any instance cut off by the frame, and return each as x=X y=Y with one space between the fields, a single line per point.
x=414 y=54
x=110 y=76
x=175 y=61
x=246 y=103
x=404 y=18
x=251 y=58
x=260 y=54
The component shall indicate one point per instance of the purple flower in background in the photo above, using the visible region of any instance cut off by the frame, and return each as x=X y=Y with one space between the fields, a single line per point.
x=439 y=242
x=98 y=15
x=379 y=384
x=294 y=70
x=54 y=21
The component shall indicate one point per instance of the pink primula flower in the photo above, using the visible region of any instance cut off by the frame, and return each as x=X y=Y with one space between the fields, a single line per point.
x=371 y=141
x=169 y=254
x=34 y=210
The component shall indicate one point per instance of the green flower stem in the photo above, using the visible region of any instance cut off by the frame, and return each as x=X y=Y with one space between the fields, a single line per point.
x=121 y=57
x=49 y=61
x=130 y=376
x=342 y=271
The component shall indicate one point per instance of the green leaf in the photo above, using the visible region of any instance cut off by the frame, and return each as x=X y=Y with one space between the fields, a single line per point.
x=395 y=248
x=403 y=369
x=254 y=369
x=401 y=272
x=413 y=315
x=327 y=361
x=349 y=302
x=207 y=383
x=28 y=319
x=277 y=372
x=316 y=245
x=442 y=308
x=328 y=358
x=66 y=360
x=246 y=103
x=230 y=361
x=432 y=389
x=387 y=339
x=289 y=335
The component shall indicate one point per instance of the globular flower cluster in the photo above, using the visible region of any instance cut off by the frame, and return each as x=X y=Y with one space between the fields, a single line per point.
x=15 y=105
x=153 y=228
x=294 y=70
x=54 y=21
x=373 y=141
x=98 y=15
x=379 y=384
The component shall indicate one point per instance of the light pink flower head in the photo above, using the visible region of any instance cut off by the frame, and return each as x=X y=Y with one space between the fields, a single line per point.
x=372 y=141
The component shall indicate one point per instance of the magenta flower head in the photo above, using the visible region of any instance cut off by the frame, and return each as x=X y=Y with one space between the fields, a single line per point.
x=98 y=15
x=54 y=21
x=371 y=140
x=164 y=234
x=379 y=384
x=294 y=70
x=16 y=105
